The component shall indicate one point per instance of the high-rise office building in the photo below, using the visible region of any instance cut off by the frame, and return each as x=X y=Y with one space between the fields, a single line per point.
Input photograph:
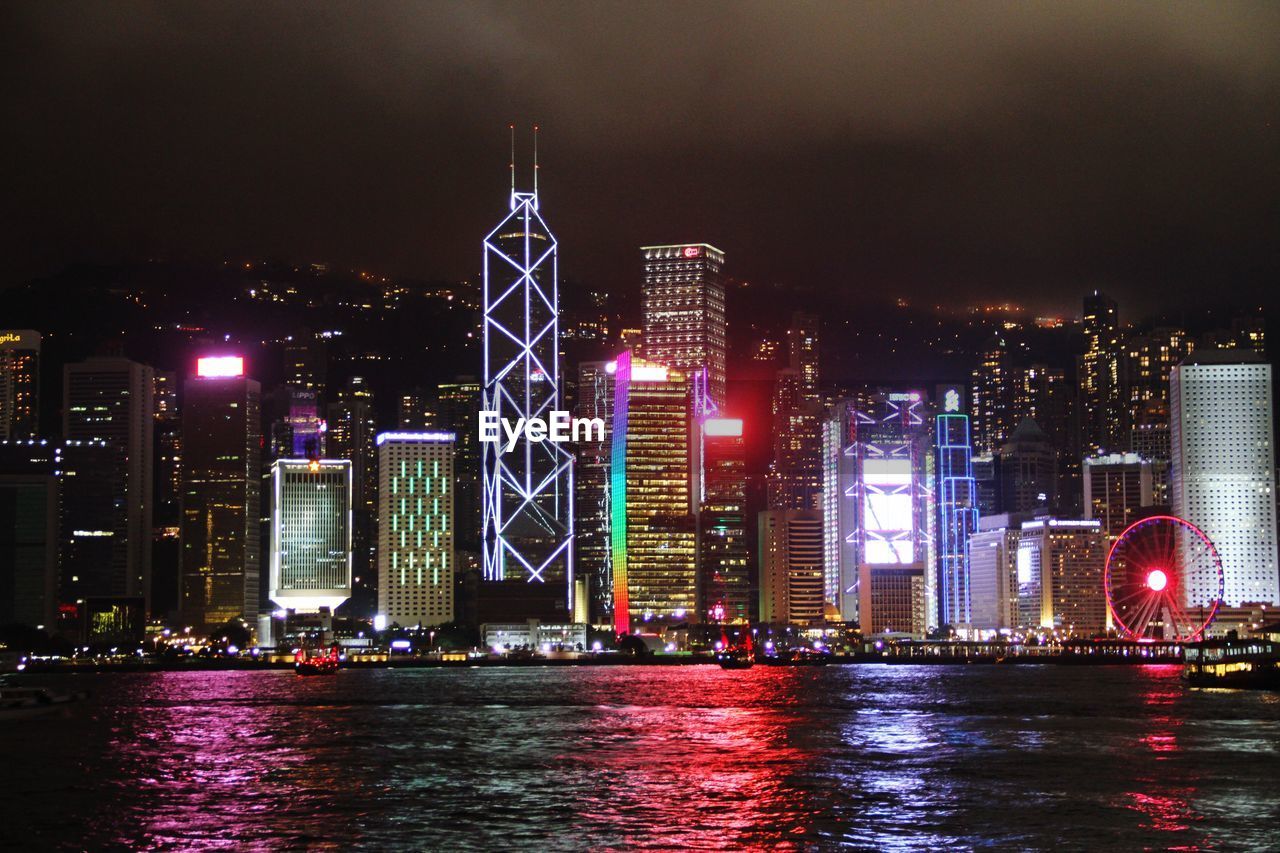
x=1149 y=359
x=992 y=397
x=879 y=508
x=112 y=399
x=652 y=495
x=791 y=570
x=795 y=471
x=1117 y=488
x=221 y=494
x=957 y=499
x=311 y=514
x=457 y=403
x=1103 y=424
x=527 y=491
x=91 y=517
x=306 y=363
x=1027 y=465
x=415 y=527
x=418 y=410
x=993 y=573
x=28 y=548
x=802 y=353
x=1060 y=585
x=684 y=319
x=592 y=549
x=19 y=383
x=1223 y=470
x=352 y=435
x=723 y=582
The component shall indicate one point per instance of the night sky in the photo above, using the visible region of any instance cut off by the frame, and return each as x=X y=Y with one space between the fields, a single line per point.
x=945 y=153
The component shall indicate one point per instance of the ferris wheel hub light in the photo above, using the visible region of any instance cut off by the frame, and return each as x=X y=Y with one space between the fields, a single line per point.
x=1157 y=579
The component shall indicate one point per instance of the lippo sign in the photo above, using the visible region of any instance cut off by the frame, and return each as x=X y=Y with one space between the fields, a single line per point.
x=560 y=427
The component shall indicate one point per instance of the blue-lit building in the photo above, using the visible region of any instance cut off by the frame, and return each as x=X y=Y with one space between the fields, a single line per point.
x=957 y=500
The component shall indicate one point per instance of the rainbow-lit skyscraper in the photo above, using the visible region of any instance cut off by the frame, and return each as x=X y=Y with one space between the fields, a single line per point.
x=528 y=490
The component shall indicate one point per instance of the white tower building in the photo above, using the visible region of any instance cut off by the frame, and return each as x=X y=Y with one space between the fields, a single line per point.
x=1223 y=472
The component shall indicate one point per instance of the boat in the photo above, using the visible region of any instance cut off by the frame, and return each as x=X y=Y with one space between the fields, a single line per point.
x=18 y=703
x=1247 y=663
x=734 y=659
x=316 y=661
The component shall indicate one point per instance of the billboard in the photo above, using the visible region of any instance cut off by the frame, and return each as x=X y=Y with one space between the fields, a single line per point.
x=888 y=512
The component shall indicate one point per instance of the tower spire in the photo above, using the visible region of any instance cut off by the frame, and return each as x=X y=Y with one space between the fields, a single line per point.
x=512 y=127
x=535 y=159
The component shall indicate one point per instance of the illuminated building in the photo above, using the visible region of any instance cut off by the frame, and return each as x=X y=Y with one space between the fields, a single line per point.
x=306 y=430
x=795 y=472
x=651 y=500
x=1060 y=565
x=166 y=547
x=1149 y=360
x=993 y=573
x=879 y=509
x=310 y=534
x=457 y=403
x=1117 y=487
x=1028 y=468
x=1101 y=405
x=418 y=410
x=221 y=495
x=724 y=588
x=1223 y=469
x=992 y=399
x=957 y=499
x=684 y=322
x=527 y=492
x=306 y=363
x=351 y=434
x=802 y=353
x=791 y=571
x=592 y=549
x=19 y=383
x=1043 y=395
x=415 y=527
x=112 y=399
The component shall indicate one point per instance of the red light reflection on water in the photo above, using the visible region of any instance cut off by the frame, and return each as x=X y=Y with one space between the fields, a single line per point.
x=707 y=769
x=1165 y=787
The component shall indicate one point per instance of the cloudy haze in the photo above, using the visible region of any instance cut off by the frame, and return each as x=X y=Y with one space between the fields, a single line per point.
x=943 y=151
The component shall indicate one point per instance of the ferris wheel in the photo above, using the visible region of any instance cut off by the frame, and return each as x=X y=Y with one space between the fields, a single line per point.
x=1163 y=580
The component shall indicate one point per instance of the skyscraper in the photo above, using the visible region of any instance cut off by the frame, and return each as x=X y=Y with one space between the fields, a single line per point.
x=221 y=489
x=992 y=400
x=415 y=527
x=311 y=515
x=723 y=585
x=527 y=490
x=352 y=435
x=1117 y=487
x=1028 y=468
x=592 y=549
x=795 y=471
x=791 y=573
x=28 y=547
x=684 y=320
x=652 y=500
x=19 y=383
x=993 y=573
x=112 y=399
x=802 y=353
x=457 y=402
x=1223 y=473
x=1060 y=586
x=1102 y=412
x=957 y=500
x=880 y=509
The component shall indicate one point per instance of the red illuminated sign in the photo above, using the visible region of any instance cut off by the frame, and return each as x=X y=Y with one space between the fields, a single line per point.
x=692 y=251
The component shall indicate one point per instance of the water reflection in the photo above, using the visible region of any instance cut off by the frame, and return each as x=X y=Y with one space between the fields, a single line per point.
x=874 y=757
